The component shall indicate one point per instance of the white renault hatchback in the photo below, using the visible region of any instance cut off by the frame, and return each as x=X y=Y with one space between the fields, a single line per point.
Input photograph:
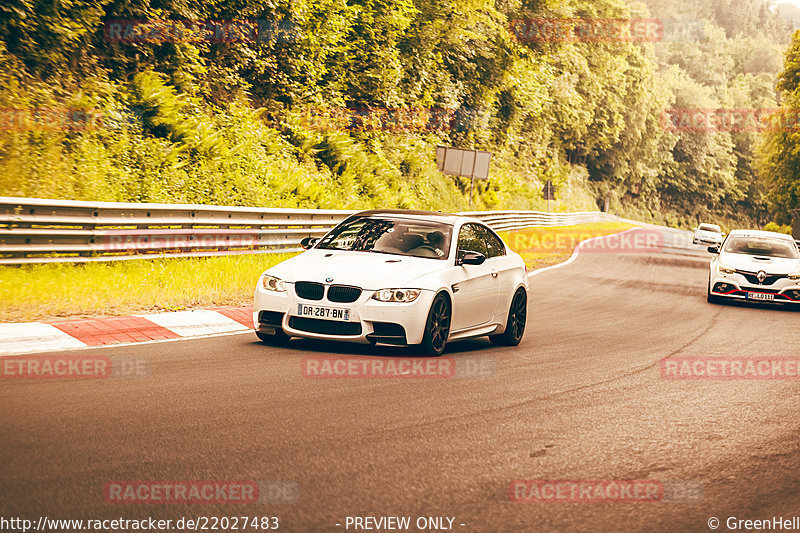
x=397 y=277
x=760 y=266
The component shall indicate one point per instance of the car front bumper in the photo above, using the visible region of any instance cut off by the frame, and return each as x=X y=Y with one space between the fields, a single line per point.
x=369 y=321
x=737 y=287
x=700 y=240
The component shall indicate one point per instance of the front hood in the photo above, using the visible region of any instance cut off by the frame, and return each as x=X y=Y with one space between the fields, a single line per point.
x=754 y=263
x=371 y=271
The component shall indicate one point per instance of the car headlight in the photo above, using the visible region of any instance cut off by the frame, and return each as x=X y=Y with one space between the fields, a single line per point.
x=396 y=295
x=726 y=270
x=795 y=276
x=271 y=283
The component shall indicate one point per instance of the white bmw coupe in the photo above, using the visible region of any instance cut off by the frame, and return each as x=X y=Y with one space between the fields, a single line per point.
x=760 y=266
x=397 y=277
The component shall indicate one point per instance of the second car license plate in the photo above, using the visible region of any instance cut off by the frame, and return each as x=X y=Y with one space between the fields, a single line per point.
x=326 y=313
x=760 y=296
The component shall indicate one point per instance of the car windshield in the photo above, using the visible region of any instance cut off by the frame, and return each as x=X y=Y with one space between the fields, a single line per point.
x=709 y=227
x=766 y=246
x=391 y=236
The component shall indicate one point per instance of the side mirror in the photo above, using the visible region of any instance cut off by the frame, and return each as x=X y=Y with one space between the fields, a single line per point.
x=471 y=258
x=713 y=249
x=308 y=242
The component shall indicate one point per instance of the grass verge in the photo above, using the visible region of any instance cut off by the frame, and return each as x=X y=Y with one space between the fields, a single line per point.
x=39 y=292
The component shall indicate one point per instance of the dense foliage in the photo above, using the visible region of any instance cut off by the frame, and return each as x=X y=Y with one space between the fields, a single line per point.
x=780 y=154
x=251 y=118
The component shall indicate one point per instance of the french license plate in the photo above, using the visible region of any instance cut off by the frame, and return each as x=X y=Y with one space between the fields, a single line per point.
x=325 y=313
x=760 y=296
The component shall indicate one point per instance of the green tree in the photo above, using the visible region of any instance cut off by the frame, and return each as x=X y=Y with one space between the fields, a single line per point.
x=780 y=155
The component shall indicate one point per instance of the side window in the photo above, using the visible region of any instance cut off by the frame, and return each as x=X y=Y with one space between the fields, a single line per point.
x=470 y=239
x=494 y=246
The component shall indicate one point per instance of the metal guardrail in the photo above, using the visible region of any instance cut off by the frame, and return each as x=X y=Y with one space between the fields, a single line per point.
x=512 y=220
x=34 y=230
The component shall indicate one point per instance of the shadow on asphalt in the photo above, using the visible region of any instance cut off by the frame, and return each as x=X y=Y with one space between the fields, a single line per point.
x=299 y=345
x=786 y=308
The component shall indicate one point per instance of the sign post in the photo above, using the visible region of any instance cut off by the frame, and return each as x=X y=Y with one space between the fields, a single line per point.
x=549 y=193
x=472 y=164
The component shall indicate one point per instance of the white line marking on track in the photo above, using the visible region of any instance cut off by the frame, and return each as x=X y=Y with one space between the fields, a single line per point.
x=30 y=337
x=84 y=347
x=194 y=323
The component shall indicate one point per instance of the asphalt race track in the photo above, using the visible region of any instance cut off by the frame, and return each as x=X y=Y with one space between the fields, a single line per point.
x=582 y=398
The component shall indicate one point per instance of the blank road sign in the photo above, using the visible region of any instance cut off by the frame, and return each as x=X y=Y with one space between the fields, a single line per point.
x=440 y=153
x=482 y=160
x=452 y=161
x=466 y=163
